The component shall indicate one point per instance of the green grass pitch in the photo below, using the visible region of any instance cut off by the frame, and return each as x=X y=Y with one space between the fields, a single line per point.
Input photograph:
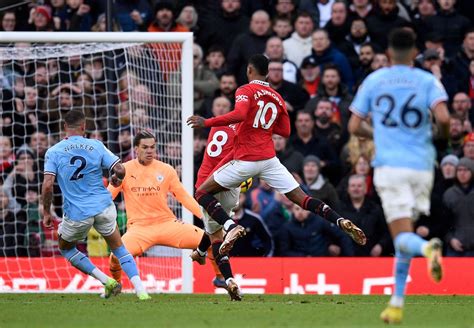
x=87 y=310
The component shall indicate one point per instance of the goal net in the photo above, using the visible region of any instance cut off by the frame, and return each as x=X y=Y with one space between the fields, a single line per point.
x=122 y=88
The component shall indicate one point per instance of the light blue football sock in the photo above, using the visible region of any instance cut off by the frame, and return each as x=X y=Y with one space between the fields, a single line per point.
x=78 y=259
x=126 y=261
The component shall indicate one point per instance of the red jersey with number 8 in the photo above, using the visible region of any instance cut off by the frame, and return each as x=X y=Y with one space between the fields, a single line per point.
x=261 y=112
x=219 y=144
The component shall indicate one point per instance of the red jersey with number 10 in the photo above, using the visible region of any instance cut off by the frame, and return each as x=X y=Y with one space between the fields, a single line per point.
x=262 y=112
x=219 y=145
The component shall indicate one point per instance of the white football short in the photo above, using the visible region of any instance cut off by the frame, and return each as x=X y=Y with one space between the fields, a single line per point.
x=104 y=222
x=271 y=170
x=229 y=200
x=405 y=193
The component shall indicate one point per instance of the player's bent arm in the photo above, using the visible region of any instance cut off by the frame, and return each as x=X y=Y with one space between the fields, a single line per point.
x=359 y=127
x=441 y=114
x=47 y=193
x=177 y=188
x=236 y=116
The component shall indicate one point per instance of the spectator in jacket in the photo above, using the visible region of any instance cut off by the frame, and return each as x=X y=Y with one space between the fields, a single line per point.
x=333 y=89
x=248 y=44
x=468 y=146
x=275 y=52
x=295 y=96
x=263 y=200
x=464 y=56
x=366 y=55
x=257 y=240
x=368 y=215
x=205 y=81
x=326 y=124
x=459 y=199
x=316 y=184
x=424 y=10
x=384 y=18
x=449 y=24
x=288 y=156
x=223 y=28
x=319 y=10
x=298 y=46
x=324 y=53
x=360 y=9
x=433 y=63
x=310 y=235
x=462 y=106
x=215 y=60
x=307 y=143
x=132 y=15
x=227 y=87
x=310 y=72
x=456 y=136
x=435 y=224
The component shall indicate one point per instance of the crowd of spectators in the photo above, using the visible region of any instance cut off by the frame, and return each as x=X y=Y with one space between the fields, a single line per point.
x=320 y=51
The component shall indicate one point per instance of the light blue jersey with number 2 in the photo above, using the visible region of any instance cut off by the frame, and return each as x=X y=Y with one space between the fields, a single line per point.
x=399 y=100
x=77 y=163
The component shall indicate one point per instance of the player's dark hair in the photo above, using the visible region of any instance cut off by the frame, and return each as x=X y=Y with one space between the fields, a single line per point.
x=143 y=134
x=74 y=118
x=260 y=63
x=402 y=39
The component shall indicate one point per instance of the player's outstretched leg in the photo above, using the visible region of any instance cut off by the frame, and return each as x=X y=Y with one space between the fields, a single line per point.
x=83 y=263
x=130 y=267
x=299 y=197
x=224 y=266
x=408 y=245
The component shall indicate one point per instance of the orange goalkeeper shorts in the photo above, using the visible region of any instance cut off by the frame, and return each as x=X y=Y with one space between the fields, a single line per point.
x=173 y=233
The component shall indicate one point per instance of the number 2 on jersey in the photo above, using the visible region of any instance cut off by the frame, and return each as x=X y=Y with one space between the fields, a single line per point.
x=217 y=143
x=77 y=173
x=262 y=112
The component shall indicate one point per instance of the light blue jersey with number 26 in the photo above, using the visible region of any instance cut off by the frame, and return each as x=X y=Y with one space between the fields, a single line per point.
x=77 y=163
x=399 y=100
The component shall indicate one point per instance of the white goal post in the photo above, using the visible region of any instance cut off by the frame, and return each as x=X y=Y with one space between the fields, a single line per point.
x=183 y=88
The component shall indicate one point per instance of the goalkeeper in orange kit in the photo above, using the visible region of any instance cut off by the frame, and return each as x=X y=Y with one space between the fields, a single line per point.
x=150 y=221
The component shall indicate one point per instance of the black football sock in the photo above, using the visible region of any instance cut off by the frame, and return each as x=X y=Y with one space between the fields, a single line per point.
x=212 y=207
x=222 y=260
x=320 y=208
x=204 y=244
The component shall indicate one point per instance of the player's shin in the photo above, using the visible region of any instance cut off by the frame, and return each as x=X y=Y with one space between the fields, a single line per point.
x=402 y=267
x=84 y=264
x=213 y=208
x=130 y=267
x=204 y=244
x=320 y=208
x=222 y=261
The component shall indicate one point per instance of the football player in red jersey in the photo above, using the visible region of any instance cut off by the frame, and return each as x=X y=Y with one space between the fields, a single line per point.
x=218 y=152
x=260 y=112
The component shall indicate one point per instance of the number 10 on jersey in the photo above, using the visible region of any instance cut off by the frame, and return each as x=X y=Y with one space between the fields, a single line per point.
x=262 y=112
